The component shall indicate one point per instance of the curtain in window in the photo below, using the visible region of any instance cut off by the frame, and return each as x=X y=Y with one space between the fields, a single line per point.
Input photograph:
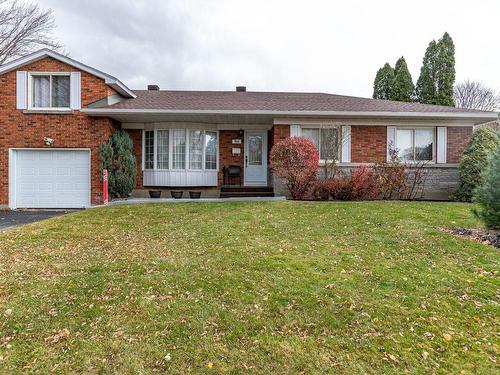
x=162 y=150
x=195 y=149
x=312 y=135
x=41 y=91
x=329 y=148
x=149 y=147
x=60 y=91
x=178 y=149
x=210 y=150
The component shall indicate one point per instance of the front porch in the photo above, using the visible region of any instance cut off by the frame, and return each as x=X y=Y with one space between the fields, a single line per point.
x=217 y=159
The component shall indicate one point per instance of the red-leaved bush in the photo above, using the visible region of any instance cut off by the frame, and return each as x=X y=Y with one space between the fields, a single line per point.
x=360 y=184
x=363 y=183
x=296 y=161
x=321 y=189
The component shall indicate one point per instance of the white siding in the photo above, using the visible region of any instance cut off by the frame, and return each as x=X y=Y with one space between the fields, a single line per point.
x=179 y=178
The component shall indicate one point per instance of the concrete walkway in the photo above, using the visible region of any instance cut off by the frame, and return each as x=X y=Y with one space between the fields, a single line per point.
x=185 y=200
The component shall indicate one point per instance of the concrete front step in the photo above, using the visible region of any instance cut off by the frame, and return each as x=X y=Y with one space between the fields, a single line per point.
x=246 y=191
x=241 y=194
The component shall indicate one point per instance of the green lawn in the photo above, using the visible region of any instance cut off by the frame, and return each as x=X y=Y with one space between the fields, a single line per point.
x=257 y=287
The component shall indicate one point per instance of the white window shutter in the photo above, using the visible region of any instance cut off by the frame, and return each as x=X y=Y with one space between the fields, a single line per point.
x=295 y=131
x=75 y=91
x=346 y=144
x=441 y=145
x=391 y=140
x=22 y=90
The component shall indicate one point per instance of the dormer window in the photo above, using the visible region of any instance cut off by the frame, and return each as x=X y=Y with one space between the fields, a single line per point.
x=50 y=91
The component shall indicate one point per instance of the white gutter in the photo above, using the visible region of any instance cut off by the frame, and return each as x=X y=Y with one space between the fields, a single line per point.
x=120 y=111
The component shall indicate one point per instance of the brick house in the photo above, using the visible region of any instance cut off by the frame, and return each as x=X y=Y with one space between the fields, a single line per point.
x=55 y=112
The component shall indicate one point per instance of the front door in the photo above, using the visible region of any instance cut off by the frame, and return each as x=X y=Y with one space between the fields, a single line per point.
x=256 y=158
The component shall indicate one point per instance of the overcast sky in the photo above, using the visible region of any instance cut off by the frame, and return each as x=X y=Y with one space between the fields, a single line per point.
x=311 y=45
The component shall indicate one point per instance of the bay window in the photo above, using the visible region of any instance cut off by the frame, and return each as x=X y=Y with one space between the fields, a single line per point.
x=162 y=148
x=195 y=149
x=326 y=140
x=149 y=146
x=180 y=149
x=415 y=144
x=210 y=150
x=50 y=91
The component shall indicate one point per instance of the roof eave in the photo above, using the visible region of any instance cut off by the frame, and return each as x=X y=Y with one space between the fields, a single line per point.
x=113 y=82
x=477 y=116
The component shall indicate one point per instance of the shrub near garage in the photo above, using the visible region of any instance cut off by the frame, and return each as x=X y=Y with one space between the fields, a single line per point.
x=118 y=158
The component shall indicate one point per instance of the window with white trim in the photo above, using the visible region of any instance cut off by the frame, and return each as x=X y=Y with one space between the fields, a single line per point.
x=210 y=150
x=149 y=147
x=195 y=149
x=415 y=144
x=50 y=91
x=326 y=140
x=180 y=149
x=162 y=147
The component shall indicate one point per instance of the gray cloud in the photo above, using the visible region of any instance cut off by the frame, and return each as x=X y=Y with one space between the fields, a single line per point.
x=329 y=46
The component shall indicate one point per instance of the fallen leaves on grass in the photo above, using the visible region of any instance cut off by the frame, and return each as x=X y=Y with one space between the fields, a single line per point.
x=63 y=334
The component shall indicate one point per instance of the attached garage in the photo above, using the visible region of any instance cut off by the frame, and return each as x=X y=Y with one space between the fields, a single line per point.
x=49 y=178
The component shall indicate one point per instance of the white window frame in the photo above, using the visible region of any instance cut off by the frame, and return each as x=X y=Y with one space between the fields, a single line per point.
x=319 y=127
x=170 y=150
x=31 y=75
x=414 y=128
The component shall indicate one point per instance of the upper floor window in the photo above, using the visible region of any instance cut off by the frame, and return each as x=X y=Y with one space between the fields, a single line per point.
x=50 y=91
x=415 y=144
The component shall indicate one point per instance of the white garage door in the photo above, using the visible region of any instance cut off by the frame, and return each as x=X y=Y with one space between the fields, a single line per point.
x=51 y=178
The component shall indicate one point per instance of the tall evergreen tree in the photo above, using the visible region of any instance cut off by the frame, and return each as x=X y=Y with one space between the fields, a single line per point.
x=446 y=70
x=402 y=88
x=437 y=75
x=426 y=90
x=383 y=82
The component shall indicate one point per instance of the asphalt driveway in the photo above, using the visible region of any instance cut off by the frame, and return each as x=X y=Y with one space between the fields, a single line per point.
x=9 y=219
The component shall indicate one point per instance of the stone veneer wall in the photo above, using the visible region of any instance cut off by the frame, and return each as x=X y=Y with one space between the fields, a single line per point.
x=440 y=182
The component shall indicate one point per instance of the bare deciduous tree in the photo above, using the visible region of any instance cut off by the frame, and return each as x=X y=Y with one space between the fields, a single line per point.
x=24 y=27
x=475 y=95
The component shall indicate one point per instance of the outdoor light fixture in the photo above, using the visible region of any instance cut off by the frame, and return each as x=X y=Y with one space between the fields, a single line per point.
x=48 y=141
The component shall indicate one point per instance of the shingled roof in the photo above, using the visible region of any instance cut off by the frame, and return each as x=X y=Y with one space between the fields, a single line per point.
x=270 y=101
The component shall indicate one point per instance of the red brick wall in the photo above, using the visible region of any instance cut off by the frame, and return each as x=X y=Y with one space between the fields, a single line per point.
x=457 y=139
x=136 y=135
x=68 y=130
x=368 y=144
x=226 y=157
x=279 y=132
